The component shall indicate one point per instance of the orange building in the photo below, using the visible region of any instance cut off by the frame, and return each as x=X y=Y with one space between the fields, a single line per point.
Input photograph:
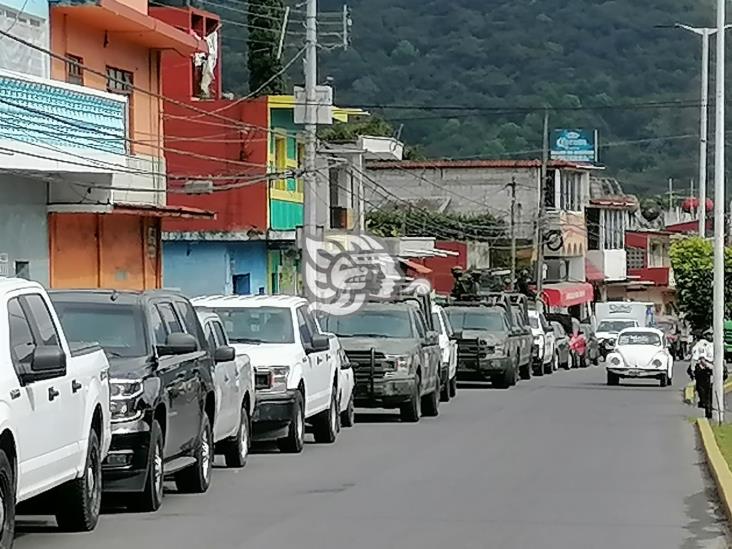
x=108 y=234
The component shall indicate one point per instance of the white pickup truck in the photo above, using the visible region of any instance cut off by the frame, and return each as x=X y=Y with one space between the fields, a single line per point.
x=54 y=412
x=296 y=377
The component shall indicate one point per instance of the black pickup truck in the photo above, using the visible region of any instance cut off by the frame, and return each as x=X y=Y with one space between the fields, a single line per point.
x=162 y=391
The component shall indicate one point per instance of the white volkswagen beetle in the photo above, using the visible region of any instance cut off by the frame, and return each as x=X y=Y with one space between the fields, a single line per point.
x=640 y=353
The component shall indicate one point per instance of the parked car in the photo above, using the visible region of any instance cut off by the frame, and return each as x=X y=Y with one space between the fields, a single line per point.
x=448 y=348
x=561 y=345
x=396 y=359
x=488 y=349
x=347 y=380
x=545 y=359
x=235 y=396
x=163 y=396
x=55 y=423
x=640 y=353
x=295 y=372
x=593 y=346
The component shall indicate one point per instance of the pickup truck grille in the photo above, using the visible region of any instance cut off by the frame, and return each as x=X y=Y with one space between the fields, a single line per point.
x=361 y=361
x=469 y=349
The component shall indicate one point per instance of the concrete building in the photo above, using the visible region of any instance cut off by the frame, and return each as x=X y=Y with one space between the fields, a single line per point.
x=83 y=184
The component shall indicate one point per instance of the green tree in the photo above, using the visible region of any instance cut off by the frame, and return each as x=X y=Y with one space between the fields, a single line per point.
x=692 y=260
x=264 y=25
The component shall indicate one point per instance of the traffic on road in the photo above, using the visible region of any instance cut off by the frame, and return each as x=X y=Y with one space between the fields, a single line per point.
x=112 y=393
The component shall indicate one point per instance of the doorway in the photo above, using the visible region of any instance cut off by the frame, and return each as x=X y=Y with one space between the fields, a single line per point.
x=242 y=284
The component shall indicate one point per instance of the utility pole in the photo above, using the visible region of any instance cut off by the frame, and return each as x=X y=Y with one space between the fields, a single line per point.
x=513 y=233
x=703 y=133
x=541 y=218
x=310 y=177
x=719 y=200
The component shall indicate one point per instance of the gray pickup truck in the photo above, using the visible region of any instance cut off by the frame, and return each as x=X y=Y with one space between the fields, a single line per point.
x=395 y=357
x=488 y=348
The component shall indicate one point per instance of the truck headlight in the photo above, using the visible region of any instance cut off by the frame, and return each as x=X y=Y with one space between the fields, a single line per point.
x=278 y=378
x=400 y=363
x=124 y=395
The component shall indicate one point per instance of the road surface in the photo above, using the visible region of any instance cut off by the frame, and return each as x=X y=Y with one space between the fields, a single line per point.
x=558 y=462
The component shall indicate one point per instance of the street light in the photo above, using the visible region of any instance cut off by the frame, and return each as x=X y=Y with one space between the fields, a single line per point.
x=705 y=33
x=718 y=296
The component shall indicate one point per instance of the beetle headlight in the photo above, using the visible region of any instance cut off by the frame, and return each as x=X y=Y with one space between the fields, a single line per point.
x=615 y=361
x=657 y=363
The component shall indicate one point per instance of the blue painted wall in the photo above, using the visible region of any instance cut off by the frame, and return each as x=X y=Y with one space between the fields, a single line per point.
x=205 y=267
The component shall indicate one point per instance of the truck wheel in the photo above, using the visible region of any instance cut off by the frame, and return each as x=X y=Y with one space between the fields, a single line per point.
x=348 y=417
x=197 y=478
x=325 y=424
x=453 y=386
x=412 y=410
x=525 y=371
x=237 y=448
x=445 y=390
x=539 y=371
x=7 y=501
x=431 y=402
x=549 y=367
x=295 y=439
x=151 y=498
x=568 y=365
x=664 y=380
x=612 y=379
x=79 y=500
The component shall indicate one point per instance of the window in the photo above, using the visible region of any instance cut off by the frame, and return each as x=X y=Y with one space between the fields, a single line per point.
x=119 y=81
x=258 y=324
x=420 y=324
x=22 y=269
x=158 y=327
x=371 y=321
x=219 y=333
x=593 y=228
x=22 y=343
x=305 y=334
x=636 y=258
x=186 y=312
x=170 y=319
x=280 y=160
x=40 y=315
x=74 y=69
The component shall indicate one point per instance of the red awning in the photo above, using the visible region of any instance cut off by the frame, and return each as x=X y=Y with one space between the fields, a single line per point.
x=161 y=211
x=416 y=267
x=592 y=273
x=567 y=294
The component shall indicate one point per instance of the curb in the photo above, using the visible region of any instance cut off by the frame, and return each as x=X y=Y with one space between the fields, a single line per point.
x=717 y=464
x=689 y=394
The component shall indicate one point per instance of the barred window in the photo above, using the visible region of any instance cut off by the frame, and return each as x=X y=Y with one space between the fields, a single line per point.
x=74 y=69
x=119 y=81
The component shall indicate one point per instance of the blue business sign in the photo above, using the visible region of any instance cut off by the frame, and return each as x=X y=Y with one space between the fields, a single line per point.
x=574 y=145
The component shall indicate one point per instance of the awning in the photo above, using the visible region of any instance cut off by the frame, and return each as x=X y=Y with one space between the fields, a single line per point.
x=161 y=211
x=567 y=294
x=115 y=17
x=416 y=267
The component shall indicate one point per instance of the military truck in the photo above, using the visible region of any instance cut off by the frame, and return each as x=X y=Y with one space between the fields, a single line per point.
x=395 y=354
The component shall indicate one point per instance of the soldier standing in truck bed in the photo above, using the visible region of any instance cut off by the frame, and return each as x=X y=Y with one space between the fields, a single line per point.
x=462 y=285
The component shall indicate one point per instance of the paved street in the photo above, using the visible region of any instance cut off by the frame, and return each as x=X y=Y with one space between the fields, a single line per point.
x=559 y=462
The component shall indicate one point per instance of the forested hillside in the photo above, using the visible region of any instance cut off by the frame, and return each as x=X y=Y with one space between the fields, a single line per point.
x=594 y=61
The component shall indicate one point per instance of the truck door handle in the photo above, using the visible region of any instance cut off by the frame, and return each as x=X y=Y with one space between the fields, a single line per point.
x=15 y=394
x=52 y=394
x=75 y=386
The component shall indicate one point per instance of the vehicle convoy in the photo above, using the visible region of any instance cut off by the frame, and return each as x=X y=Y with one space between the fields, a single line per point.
x=163 y=402
x=640 y=353
x=543 y=350
x=488 y=348
x=55 y=424
x=235 y=396
x=395 y=355
x=608 y=330
x=296 y=376
x=448 y=348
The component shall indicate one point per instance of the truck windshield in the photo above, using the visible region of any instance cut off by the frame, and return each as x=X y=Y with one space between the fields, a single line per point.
x=615 y=326
x=258 y=324
x=476 y=319
x=372 y=323
x=118 y=328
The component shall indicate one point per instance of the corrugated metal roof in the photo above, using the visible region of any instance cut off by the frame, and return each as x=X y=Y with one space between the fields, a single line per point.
x=469 y=164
